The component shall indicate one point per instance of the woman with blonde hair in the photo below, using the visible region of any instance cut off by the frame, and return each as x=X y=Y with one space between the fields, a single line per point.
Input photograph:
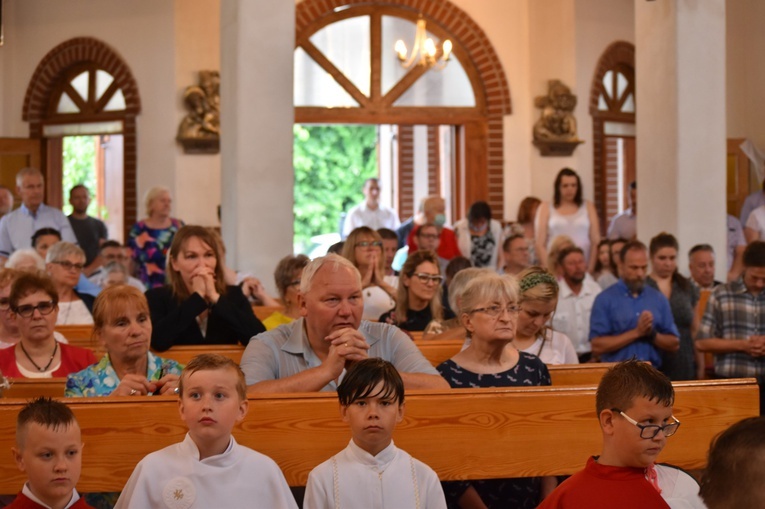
x=538 y=300
x=151 y=237
x=196 y=307
x=419 y=293
x=364 y=249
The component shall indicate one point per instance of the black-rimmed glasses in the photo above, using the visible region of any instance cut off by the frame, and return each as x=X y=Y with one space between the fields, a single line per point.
x=649 y=431
x=27 y=310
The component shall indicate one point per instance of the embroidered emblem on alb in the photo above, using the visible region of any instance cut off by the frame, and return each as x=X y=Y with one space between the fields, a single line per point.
x=179 y=493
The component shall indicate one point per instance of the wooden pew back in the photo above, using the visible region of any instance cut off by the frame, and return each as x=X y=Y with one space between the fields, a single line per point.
x=465 y=434
x=184 y=353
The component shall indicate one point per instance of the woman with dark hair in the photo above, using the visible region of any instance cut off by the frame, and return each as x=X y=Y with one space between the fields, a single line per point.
x=364 y=249
x=569 y=215
x=683 y=298
x=419 y=298
x=480 y=237
x=196 y=307
x=605 y=270
x=524 y=224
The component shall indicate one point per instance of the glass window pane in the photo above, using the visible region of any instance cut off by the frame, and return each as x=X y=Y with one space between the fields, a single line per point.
x=346 y=44
x=449 y=86
x=393 y=29
x=66 y=105
x=602 y=106
x=315 y=87
x=103 y=80
x=629 y=104
x=80 y=84
x=116 y=103
x=621 y=84
x=608 y=82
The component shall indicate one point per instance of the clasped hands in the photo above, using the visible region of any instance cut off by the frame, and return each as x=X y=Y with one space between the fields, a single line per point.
x=134 y=384
x=345 y=347
x=203 y=283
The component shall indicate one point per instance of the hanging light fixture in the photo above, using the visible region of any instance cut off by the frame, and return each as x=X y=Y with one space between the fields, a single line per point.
x=424 y=50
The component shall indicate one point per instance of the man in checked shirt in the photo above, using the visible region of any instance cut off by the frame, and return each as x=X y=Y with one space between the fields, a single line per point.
x=733 y=325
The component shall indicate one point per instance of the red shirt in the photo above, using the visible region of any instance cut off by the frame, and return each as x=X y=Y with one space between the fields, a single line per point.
x=73 y=359
x=23 y=502
x=447 y=247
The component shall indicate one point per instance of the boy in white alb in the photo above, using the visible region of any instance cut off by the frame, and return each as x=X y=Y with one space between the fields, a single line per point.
x=208 y=469
x=372 y=472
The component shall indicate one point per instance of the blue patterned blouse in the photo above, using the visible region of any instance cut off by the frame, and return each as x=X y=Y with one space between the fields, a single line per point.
x=101 y=379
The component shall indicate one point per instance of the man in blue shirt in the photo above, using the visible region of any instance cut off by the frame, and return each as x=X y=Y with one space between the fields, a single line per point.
x=629 y=319
x=17 y=227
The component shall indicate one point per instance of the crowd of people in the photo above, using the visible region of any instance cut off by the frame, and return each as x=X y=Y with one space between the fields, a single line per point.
x=546 y=289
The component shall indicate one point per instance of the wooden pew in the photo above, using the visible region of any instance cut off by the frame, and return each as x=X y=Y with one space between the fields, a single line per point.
x=28 y=388
x=184 y=353
x=578 y=374
x=479 y=433
x=439 y=351
x=263 y=312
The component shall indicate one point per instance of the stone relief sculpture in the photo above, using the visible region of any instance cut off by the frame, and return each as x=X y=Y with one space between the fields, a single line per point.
x=199 y=131
x=555 y=131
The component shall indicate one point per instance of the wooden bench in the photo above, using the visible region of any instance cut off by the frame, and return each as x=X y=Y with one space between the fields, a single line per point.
x=184 y=353
x=462 y=434
x=438 y=351
x=78 y=335
x=263 y=312
x=28 y=388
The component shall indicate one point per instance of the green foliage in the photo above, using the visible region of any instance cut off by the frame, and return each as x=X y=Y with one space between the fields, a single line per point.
x=331 y=164
x=79 y=168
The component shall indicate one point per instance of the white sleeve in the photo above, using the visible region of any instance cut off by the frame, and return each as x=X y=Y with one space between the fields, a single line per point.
x=434 y=493
x=316 y=496
x=134 y=494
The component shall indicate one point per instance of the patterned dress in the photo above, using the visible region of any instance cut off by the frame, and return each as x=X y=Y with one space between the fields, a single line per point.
x=150 y=247
x=101 y=379
x=521 y=493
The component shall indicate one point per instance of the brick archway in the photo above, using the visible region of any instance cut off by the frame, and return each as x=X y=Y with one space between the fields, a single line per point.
x=46 y=77
x=462 y=29
x=618 y=53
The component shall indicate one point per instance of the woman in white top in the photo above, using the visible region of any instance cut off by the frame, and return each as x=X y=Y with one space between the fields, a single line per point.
x=570 y=215
x=64 y=264
x=363 y=248
x=538 y=300
x=754 y=229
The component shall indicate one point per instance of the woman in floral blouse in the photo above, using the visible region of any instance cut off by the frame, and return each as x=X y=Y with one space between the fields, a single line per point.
x=151 y=238
x=122 y=324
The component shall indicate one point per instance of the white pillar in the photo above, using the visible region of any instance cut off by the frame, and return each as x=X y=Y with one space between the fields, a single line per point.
x=257 y=44
x=681 y=123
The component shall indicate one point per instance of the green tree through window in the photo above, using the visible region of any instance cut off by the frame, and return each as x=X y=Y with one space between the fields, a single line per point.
x=79 y=163
x=331 y=164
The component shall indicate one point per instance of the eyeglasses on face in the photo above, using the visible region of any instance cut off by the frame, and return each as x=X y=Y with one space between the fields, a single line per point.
x=429 y=236
x=428 y=278
x=5 y=303
x=69 y=265
x=27 y=310
x=649 y=431
x=113 y=257
x=369 y=243
x=496 y=310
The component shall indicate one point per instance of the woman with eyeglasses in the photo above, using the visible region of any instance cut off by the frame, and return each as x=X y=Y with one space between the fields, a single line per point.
x=287 y=278
x=197 y=307
x=419 y=293
x=488 y=309
x=64 y=264
x=363 y=248
x=534 y=335
x=34 y=309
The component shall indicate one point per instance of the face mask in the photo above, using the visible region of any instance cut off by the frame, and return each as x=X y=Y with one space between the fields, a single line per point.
x=440 y=220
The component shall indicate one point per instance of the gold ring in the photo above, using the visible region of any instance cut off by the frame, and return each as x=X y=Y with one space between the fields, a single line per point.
x=133 y=392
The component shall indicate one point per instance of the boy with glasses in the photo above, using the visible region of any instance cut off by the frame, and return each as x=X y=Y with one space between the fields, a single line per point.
x=634 y=405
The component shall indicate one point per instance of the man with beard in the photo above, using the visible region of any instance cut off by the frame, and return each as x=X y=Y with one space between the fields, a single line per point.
x=575 y=300
x=630 y=320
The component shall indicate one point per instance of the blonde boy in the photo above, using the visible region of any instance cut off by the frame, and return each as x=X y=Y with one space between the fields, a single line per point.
x=634 y=405
x=371 y=471
x=49 y=450
x=208 y=469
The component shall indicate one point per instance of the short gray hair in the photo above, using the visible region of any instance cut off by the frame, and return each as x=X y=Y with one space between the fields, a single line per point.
x=150 y=195
x=459 y=281
x=61 y=250
x=488 y=287
x=22 y=254
x=314 y=265
x=27 y=171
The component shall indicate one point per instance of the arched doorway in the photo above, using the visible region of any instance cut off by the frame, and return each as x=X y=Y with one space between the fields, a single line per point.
x=384 y=95
x=612 y=106
x=83 y=86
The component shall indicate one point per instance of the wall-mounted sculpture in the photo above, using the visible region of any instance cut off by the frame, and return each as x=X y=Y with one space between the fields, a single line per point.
x=555 y=131
x=199 y=131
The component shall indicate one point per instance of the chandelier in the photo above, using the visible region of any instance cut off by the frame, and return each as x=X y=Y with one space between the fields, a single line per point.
x=424 y=50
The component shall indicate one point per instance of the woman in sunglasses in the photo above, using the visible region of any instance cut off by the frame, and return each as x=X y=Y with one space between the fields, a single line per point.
x=65 y=262
x=34 y=308
x=363 y=248
x=419 y=293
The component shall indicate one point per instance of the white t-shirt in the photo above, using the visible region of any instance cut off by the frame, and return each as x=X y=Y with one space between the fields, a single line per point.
x=73 y=313
x=557 y=349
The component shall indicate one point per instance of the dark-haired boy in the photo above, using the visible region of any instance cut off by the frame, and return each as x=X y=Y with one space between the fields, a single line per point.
x=208 y=469
x=49 y=450
x=634 y=405
x=371 y=471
